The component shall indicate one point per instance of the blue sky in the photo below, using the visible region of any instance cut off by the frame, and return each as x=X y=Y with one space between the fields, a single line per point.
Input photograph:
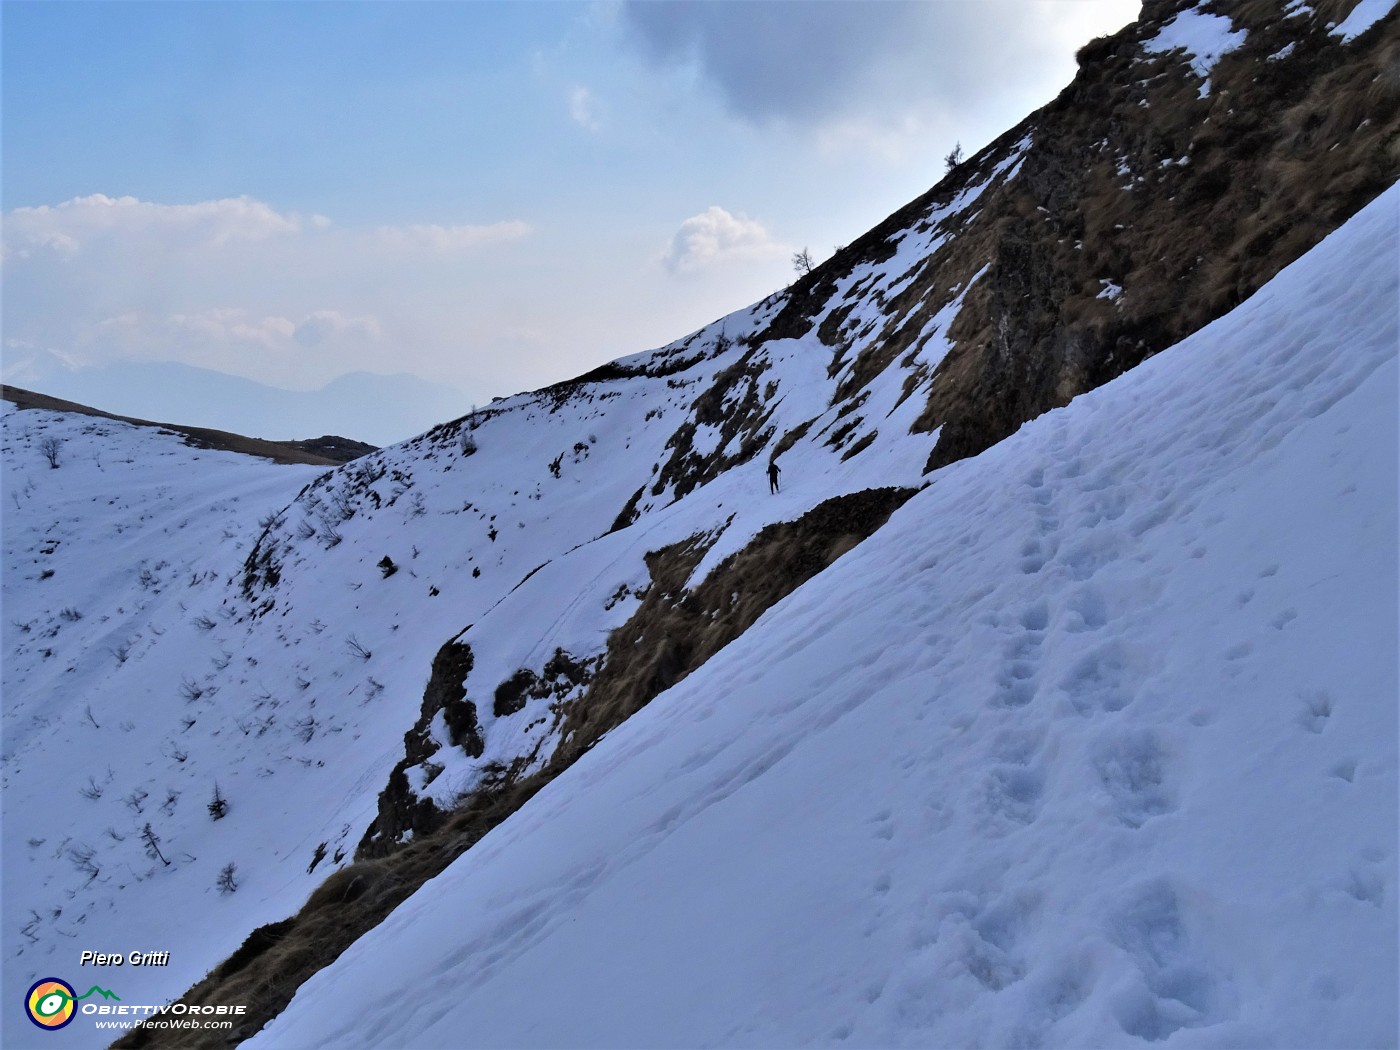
x=489 y=196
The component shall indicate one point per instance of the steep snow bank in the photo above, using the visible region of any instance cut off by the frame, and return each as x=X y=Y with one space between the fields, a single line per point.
x=1093 y=744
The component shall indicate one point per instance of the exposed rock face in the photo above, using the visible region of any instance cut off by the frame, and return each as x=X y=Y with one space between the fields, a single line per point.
x=1146 y=201
x=401 y=810
x=738 y=406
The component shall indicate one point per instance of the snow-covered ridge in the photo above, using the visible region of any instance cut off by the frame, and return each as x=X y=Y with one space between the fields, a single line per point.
x=1094 y=744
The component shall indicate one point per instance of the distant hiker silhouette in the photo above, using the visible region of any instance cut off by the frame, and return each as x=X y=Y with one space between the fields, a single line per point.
x=773 y=473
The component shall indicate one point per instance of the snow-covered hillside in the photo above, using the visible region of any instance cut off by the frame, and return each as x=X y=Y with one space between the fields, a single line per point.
x=194 y=636
x=282 y=659
x=1093 y=744
x=110 y=723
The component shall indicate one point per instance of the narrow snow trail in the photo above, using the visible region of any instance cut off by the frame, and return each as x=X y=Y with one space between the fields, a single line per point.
x=1093 y=744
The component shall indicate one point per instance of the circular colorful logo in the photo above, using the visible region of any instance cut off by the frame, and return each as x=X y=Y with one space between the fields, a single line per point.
x=50 y=1003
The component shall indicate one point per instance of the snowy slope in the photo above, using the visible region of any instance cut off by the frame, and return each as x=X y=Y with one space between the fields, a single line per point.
x=291 y=691
x=110 y=562
x=1093 y=744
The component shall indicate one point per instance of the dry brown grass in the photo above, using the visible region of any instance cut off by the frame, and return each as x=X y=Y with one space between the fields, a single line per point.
x=675 y=630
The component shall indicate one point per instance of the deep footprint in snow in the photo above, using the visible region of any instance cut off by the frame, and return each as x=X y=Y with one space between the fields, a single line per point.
x=993 y=957
x=1035 y=616
x=1033 y=557
x=884 y=824
x=1013 y=792
x=1057 y=991
x=1017 y=747
x=1178 y=989
x=1366 y=883
x=1015 y=685
x=1317 y=709
x=1086 y=611
x=1133 y=769
x=1104 y=680
x=1239 y=651
x=1088 y=556
x=1016 y=678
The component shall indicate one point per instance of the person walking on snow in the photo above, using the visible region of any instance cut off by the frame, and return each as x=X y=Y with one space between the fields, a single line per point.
x=773 y=473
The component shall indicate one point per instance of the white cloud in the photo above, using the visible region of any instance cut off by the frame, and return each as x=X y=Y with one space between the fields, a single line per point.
x=715 y=236
x=229 y=323
x=315 y=328
x=240 y=286
x=433 y=237
x=29 y=241
x=70 y=227
x=75 y=225
x=585 y=109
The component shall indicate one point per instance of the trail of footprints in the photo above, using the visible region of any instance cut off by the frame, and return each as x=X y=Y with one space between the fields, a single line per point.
x=1131 y=766
x=1178 y=987
x=1365 y=879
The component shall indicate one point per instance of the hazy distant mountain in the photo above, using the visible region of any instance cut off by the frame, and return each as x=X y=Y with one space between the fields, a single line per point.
x=380 y=409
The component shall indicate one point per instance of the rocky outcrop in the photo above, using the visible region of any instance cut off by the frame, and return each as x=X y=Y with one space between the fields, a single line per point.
x=402 y=811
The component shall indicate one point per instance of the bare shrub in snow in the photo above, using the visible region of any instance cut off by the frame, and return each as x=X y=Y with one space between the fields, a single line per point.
x=152 y=842
x=84 y=859
x=50 y=448
x=226 y=881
